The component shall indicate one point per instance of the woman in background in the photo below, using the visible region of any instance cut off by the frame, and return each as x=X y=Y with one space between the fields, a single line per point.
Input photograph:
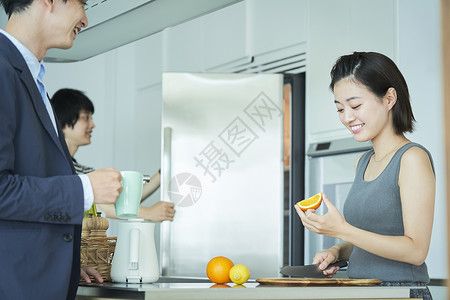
x=74 y=111
x=389 y=209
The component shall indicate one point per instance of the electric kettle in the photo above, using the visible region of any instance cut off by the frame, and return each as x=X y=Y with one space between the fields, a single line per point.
x=135 y=259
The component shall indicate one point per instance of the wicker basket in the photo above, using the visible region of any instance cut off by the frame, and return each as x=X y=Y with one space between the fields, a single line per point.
x=98 y=252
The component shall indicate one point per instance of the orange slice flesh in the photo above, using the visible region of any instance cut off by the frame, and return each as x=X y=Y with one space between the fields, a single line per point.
x=310 y=203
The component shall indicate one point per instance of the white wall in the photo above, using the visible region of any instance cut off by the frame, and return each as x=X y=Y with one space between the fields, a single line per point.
x=419 y=58
x=127 y=117
x=3 y=18
x=128 y=133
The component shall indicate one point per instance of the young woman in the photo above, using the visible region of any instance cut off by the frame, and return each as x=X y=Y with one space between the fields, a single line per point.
x=389 y=209
x=74 y=111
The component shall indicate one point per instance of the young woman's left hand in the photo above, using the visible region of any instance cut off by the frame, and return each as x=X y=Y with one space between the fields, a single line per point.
x=330 y=224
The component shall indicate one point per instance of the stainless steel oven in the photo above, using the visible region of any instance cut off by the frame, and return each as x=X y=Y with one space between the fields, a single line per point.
x=330 y=168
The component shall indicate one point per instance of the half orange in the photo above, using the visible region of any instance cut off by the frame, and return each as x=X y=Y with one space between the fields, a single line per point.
x=310 y=203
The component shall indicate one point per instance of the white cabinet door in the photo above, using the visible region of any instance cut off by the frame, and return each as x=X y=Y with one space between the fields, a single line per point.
x=373 y=26
x=148 y=61
x=337 y=28
x=276 y=25
x=207 y=42
x=226 y=37
x=183 y=47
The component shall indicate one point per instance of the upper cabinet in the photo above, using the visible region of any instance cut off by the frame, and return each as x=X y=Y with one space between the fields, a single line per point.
x=226 y=37
x=207 y=42
x=234 y=35
x=183 y=47
x=275 y=25
x=148 y=61
x=337 y=28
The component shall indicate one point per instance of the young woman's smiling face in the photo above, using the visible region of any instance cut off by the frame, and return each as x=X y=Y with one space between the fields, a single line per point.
x=360 y=110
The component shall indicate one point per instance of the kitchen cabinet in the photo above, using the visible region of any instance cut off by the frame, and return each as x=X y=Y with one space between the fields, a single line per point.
x=207 y=42
x=122 y=64
x=235 y=35
x=226 y=37
x=337 y=28
x=147 y=114
x=275 y=25
x=183 y=47
x=148 y=56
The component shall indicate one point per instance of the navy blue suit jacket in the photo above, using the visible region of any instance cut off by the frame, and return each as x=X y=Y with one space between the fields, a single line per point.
x=41 y=200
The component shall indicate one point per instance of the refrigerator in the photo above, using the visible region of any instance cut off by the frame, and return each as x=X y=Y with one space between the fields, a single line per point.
x=223 y=167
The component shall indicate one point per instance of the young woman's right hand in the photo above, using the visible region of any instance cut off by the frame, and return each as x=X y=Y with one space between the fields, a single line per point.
x=326 y=257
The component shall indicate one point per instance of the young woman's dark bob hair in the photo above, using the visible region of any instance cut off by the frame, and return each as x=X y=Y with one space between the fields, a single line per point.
x=378 y=73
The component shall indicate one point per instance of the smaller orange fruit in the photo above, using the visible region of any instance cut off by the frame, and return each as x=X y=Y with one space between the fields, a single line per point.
x=311 y=203
x=239 y=274
x=218 y=269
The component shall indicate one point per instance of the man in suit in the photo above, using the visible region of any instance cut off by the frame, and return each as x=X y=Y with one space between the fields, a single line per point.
x=41 y=198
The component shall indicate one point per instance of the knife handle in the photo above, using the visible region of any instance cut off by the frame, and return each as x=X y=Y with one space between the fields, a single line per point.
x=339 y=263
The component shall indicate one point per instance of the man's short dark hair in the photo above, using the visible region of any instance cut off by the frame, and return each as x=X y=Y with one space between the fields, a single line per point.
x=16 y=6
x=68 y=103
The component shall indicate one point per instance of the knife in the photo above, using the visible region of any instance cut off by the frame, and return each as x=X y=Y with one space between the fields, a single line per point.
x=310 y=271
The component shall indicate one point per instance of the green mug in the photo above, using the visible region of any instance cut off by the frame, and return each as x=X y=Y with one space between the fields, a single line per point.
x=127 y=205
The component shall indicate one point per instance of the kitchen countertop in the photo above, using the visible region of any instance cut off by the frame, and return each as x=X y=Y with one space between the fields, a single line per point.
x=203 y=289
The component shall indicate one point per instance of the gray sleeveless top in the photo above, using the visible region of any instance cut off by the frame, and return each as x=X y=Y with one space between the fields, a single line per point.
x=375 y=206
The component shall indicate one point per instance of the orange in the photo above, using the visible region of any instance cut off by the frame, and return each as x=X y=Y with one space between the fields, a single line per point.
x=311 y=203
x=218 y=269
x=219 y=285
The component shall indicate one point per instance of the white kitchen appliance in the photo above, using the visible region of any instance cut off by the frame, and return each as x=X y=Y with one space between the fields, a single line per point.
x=222 y=166
x=135 y=259
x=330 y=169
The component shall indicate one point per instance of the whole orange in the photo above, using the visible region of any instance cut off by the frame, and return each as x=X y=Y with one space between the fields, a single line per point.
x=218 y=269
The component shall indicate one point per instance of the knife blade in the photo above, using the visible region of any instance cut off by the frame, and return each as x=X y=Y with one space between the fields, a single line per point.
x=310 y=271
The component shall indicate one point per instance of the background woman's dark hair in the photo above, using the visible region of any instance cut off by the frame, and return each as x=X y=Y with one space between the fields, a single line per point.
x=378 y=73
x=67 y=104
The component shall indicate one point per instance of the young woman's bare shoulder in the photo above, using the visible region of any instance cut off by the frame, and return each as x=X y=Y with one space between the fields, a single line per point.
x=416 y=159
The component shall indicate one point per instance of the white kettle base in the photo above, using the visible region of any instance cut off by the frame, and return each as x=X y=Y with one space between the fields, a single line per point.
x=135 y=259
x=132 y=279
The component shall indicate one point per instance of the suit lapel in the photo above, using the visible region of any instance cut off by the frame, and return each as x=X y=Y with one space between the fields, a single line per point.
x=40 y=108
x=17 y=60
x=64 y=145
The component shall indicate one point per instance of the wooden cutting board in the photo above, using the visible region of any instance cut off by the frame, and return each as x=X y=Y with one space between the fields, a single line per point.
x=317 y=281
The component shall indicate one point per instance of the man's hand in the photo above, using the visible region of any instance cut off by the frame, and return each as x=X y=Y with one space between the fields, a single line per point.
x=86 y=271
x=105 y=185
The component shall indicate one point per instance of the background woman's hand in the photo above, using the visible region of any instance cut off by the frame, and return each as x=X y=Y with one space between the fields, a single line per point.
x=161 y=211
